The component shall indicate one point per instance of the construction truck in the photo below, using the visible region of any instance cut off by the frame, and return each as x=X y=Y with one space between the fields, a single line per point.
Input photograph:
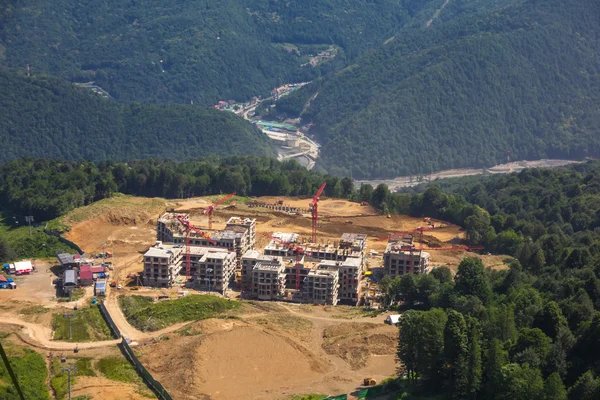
x=369 y=382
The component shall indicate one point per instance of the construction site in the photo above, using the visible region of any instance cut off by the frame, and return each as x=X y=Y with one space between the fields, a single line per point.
x=298 y=321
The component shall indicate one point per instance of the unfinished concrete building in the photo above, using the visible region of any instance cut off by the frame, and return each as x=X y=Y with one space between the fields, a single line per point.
x=351 y=245
x=244 y=225
x=215 y=271
x=168 y=225
x=291 y=271
x=280 y=245
x=321 y=287
x=398 y=257
x=268 y=280
x=249 y=260
x=350 y=274
x=239 y=234
x=162 y=264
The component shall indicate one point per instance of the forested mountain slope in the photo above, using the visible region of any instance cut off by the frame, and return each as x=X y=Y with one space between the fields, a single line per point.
x=44 y=116
x=461 y=93
x=193 y=50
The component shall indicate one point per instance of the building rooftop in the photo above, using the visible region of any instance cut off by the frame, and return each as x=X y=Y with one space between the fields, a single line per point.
x=202 y=250
x=268 y=266
x=221 y=255
x=86 y=275
x=286 y=237
x=172 y=217
x=397 y=248
x=70 y=276
x=226 y=235
x=23 y=266
x=252 y=254
x=331 y=273
x=353 y=237
x=65 y=258
x=241 y=221
x=163 y=251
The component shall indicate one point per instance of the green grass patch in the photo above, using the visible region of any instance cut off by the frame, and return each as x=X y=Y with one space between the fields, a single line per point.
x=30 y=369
x=146 y=315
x=75 y=295
x=121 y=201
x=117 y=369
x=87 y=325
x=189 y=330
x=22 y=245
x=60 y=380
x=311 y=396
x=84 y=367
x=34 y=310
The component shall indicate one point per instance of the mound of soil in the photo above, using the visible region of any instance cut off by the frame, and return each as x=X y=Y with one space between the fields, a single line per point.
x=242 y=362
x=355 y=342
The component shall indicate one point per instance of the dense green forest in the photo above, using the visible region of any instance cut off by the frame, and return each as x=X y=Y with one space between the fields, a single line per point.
x=194 y=50
x=529 y=332
x=523 y=78
x=47 y=189
x=44 y=116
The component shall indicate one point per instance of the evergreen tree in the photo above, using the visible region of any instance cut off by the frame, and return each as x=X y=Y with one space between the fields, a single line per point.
x=554 y=389
x=474 y=367
x=456 y=354
x=495 y=359
x=586 y=387
x=6 y=252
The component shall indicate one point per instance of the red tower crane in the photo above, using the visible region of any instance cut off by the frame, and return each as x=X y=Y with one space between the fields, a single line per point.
x=212 y=207
x=299 y=251
x=188 y=229
x=314 y=211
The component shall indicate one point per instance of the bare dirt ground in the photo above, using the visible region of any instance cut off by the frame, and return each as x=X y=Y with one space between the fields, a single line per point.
x=276 y=351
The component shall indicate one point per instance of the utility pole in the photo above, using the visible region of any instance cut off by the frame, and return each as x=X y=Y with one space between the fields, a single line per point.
x=70 y=316
x=29 y=220
x=68 y=370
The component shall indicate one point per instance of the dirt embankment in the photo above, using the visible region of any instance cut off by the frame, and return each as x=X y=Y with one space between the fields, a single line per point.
x=231 y=357
x=355 y=342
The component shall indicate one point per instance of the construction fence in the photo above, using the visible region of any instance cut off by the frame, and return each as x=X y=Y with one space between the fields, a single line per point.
x=279 y=207
x=109 y=321
x=152 y=383
x=63 y=240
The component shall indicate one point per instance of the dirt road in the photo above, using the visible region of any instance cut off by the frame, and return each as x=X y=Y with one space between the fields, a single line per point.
x=41 y=336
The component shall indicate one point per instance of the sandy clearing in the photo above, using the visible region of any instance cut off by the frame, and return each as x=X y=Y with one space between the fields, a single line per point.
x=102 y=388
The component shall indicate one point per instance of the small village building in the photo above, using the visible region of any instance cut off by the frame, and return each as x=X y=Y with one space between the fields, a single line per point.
x=69 y=281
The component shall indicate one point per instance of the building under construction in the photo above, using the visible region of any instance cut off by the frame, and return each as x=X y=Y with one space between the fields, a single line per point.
x=249 y=260
x=162 y=264
x=239 y=234
x=215 y=271
x=400 y=255
x=211 y=268
x=268 y=280
x=350 y=274
x=348 y=258
x=351 y=245
x=321 y=287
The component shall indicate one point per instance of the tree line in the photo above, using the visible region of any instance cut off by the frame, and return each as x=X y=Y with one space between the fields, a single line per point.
x=47 y=189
